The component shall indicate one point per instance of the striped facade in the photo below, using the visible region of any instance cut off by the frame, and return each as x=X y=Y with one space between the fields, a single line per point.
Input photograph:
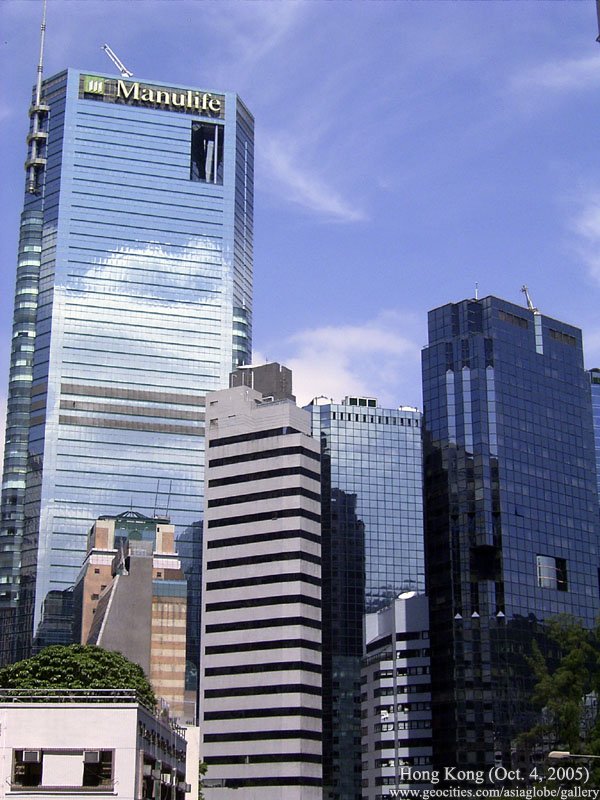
x=261 y=640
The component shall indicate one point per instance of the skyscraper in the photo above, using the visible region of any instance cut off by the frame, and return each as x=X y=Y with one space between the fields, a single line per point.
x=261 y=643
x=511 y=513
x=372 y=545
x=134 y=297
x=595 y=379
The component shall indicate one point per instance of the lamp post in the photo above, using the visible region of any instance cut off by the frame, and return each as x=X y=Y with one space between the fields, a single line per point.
x=566 y=754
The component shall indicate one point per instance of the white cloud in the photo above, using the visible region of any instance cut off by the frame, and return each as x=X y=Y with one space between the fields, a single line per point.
x=586 y=226
x=569 y=74
x=292 y=173
x=377 y=358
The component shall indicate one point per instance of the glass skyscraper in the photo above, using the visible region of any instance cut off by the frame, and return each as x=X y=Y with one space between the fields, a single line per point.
x=511 y=513
x=595 y=379
x=133 y=300
x=372 y=550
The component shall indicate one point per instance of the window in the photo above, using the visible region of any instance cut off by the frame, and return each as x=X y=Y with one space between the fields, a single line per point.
x=97 y=768
x=552 y=573
x=207 y=153
x=27 y=768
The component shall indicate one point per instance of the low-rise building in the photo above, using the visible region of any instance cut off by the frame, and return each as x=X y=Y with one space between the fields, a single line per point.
x=71 y=743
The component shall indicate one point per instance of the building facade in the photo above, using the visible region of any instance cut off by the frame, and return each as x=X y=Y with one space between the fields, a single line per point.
x=131 y=597
x=372 y=544
x=595 y=380
x=261 y=620
x=511 y=512
x=79 y=743
x=396 y=698
x=134 y=298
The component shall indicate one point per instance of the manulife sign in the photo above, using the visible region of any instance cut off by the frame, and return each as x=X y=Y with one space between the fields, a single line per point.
x=189 y=101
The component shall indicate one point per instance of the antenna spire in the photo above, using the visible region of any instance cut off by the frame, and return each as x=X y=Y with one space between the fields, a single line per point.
x=38 y=111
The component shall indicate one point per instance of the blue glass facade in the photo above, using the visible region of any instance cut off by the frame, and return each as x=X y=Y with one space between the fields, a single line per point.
x=372 y=550
x=511 y=513
x=143 y=219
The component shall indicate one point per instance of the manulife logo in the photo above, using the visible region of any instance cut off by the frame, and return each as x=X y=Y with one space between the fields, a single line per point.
x=93 y=85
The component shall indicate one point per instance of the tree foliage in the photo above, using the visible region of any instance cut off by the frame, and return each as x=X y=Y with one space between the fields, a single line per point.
x=78 y=666
x=567 y=691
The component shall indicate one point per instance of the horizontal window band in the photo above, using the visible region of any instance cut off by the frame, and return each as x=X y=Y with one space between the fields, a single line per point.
x=249 y=625
x=277 y=644
x=272 y=666
x=136 y=411
x=239 y=783
x=267 y=558
x=253 y=538
x=250 y=691
x=262 y=713
x=292 y=491
x=252 y=437
x=262 y=516
x=82 y=390
x=257 y=736
x=261 y=580
x=265 y=758
x=265 y=475
x=255 y=602
x=276 y=452
x=156 y=427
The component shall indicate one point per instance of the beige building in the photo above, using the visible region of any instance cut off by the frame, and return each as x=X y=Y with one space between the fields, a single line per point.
x=261 y=636
x=131 y=596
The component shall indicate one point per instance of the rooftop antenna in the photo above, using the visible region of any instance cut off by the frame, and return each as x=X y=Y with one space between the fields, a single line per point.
x=117 y=61
x=530 y=305
x=477 y=283
x=37 y=136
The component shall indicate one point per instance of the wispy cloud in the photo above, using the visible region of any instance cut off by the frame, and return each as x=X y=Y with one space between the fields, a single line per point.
x=570 y=74
x=288 y=173
x=379 y=357
x=586 y=226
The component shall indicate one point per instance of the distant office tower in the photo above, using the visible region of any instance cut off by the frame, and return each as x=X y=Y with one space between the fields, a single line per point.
x=261 y=618
x=396 y=698
x=595 y=379
x=131 y=596
x=372 y=529
x=133 y=299
x=511 y=512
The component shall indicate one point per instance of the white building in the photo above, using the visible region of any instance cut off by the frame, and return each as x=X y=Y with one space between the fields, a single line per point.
x=260 y=680
x=75 y=743
x=396 y=698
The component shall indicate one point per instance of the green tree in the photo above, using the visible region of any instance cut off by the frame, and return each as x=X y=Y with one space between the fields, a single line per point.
x=566 y=681
x=78 y=666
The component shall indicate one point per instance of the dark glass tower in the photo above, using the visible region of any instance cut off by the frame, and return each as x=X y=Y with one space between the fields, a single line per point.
x=133 y=299
x=372 y=550
x=595 y=379
x=511 y=512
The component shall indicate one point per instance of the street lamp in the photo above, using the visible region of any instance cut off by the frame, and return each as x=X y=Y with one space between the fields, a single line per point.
x=567 y=754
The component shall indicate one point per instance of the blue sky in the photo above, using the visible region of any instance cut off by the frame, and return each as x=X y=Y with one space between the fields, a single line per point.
x=405 y=152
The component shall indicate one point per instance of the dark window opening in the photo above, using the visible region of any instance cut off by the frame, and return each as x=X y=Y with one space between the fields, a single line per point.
x=207 y=153
x=27 y=768
x=97 y=768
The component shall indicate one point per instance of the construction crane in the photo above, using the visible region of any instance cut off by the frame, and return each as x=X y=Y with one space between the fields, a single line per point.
x=530 y=305
x=117 y=61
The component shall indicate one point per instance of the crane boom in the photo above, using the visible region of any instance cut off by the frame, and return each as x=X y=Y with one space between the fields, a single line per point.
x=117 y=61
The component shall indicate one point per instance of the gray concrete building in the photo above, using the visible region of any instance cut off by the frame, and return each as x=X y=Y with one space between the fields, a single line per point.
x=261 y=636
x=396 y=698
